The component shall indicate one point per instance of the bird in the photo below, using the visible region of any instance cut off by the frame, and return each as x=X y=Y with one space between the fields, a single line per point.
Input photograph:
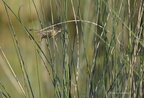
x=50 y=32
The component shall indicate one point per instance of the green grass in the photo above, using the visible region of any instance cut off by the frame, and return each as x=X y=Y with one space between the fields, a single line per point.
x=99 y=53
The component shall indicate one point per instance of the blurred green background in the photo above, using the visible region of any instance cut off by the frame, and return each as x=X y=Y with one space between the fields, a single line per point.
x=107 y=52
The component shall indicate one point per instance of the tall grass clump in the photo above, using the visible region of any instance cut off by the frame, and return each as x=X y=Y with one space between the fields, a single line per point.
x=97 y=54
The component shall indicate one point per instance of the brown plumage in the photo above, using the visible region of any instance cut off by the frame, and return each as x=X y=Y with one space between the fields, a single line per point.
x=50 y=32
